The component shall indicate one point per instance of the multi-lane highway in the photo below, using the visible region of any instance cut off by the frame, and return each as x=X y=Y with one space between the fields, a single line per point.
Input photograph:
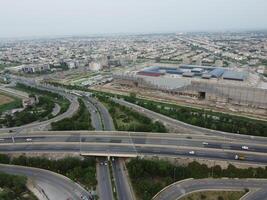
x=103 y=179
x=122 y=185
x=182 y=188
x=52 y=185
x=103 y=173
x=136 y=144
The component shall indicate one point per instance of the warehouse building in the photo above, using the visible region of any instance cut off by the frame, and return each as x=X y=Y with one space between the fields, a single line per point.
x=235 y=76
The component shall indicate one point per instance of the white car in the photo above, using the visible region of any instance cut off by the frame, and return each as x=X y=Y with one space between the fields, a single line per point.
x=28 y=140
x=192 y=152
x=2 y=139
x=245 y=147
x=205 y=143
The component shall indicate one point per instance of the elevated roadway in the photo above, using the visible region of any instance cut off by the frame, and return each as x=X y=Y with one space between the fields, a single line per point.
x=180 y=189
x=55 y=186
x=129 y=144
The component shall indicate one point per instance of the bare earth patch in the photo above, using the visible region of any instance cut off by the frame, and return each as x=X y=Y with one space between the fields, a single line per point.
x=5 y=99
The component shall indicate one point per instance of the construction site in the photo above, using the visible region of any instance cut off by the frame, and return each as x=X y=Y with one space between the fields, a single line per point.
x=228 y=89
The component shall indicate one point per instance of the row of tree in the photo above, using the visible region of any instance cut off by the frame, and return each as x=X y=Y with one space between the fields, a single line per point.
x=205 y=118
x=150 y=176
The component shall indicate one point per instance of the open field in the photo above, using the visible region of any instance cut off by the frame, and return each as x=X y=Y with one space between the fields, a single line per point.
x=8 y=102
x=215 y=195
x=5 y=99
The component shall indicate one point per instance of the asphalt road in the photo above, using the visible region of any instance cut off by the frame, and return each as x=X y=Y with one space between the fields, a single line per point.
x=103 y=179
x=104 y=114
x=180 y=189
x=110 y=144
x=135 y=146
x=122 y=185
x=123 y=188
x=54 y=185
x=138 y=139
x=45 y=125
x=260 y=194
x=191 y=128
x=103 y=173
x=95 y=116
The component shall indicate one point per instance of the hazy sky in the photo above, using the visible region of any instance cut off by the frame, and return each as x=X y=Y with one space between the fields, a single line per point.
x=75 y=17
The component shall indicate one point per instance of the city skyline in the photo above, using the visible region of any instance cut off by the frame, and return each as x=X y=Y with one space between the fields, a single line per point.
x=41 y=19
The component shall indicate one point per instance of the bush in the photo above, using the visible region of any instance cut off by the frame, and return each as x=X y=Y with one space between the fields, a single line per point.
x=80 y=121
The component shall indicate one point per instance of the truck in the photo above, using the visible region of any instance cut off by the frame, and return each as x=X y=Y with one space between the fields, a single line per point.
x=239 y=157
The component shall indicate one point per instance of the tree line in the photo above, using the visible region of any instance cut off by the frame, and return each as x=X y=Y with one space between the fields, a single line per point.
x=150 y=176
x=205 y=118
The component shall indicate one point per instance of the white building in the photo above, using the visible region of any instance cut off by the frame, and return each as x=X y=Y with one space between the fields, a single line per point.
x=94 y=66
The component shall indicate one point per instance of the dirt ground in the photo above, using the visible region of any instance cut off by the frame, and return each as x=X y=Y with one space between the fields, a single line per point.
x=5 y=99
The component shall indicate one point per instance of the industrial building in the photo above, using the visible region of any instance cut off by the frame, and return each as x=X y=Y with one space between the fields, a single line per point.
x=209 y=83
x=204 y=72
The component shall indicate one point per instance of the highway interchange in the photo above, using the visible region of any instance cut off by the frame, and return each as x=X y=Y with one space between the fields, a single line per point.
x=206 y=144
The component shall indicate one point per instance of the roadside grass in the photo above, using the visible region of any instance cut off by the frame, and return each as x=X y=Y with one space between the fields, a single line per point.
x=4 y=99
x=215 y=195
x=126 y=119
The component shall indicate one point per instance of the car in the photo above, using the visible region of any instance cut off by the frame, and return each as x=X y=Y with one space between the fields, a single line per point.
x=192 y=152
x=205 y=143
x=2 y=139
x=28 y=140
x=105 y=163
x=84 y=198
x=245 y=147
